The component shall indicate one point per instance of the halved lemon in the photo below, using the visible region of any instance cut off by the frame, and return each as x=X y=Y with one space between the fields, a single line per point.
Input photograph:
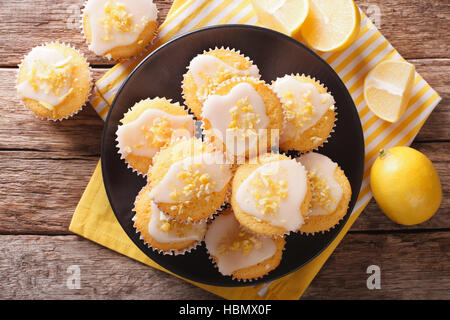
x=331 y=25
x=286 y=16
x=387 y=89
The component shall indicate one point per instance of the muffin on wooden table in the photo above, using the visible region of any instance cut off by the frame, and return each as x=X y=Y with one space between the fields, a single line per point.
x=54 y=81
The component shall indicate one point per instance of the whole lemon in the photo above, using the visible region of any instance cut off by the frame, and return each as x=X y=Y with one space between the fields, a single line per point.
x=405 y=185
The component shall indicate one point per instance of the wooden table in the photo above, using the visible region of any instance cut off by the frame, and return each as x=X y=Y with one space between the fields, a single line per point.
x=46 y=166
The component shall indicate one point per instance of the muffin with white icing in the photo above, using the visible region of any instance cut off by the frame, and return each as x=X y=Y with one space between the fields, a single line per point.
x=309 y=112
x=209 y=69
x=331 y=192
x=151 y=124
x=243 y=117
x=161 y=233
x=272 y=196
x=119 y=29
x=239 y=253
x=189 y=180
x=54 y=81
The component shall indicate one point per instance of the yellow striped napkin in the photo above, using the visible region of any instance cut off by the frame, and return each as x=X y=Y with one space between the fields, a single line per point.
x=93 y=217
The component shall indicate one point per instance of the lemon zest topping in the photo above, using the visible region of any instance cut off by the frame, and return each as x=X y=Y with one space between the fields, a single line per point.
x=298 y=113
x=116 y=18
x=211 y=82
x=268 y=193
x=243 y=119
x=159 y=133
x=196 y=184
x=240 y=240
x=54 y=77
x=181 y=229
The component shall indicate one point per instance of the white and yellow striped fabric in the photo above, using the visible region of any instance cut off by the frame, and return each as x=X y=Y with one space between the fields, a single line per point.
x=352 y=65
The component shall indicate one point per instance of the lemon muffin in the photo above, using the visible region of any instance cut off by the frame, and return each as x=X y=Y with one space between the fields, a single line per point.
x=243 y=117
x=161 y=233
x=271 y=197
x=147 y=127
x=239 y=253
x=189 y=180
x=331 y=193
x=119 y=29
x=54 y=81
x=309 y=112
x=209 y=69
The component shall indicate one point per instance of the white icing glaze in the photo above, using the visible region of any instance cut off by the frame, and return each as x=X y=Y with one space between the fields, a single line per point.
x=43 y=58
x=194 y=232
x=132 y=139
x=320 y=102
x=207 y=66
x=325 y=169
x=288 y=214
x=208 y=163
x=224 y=227
x=141 y=12
x=218 y=111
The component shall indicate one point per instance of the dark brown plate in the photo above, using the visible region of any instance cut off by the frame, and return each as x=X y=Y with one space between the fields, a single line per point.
x=160 y=74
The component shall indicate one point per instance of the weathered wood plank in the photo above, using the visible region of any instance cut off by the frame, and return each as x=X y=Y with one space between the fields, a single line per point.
x=39 y=195
x=36 y=267
x=40 y=192
x=418 y=29
x=435 y=71
x=413 y=266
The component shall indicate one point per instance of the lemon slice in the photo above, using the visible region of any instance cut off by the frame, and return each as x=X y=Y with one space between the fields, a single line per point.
x=387 y=89
x=286 y=16
x=331 y=25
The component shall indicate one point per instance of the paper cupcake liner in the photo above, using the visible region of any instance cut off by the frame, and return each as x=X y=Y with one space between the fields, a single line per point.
x=208 y=51
x=120 y=151
x=317 y=81
x=108 y=56
x=90 y=81
x=173 y=252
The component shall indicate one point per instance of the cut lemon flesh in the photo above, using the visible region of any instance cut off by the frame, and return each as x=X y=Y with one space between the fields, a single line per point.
x=286 y=16
x=331 y=25
x=387 y=89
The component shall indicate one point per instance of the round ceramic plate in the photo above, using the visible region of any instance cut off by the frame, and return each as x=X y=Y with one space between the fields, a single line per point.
x=160 y=74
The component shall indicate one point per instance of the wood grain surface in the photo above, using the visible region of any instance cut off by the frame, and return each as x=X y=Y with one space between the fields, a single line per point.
x=46 y=166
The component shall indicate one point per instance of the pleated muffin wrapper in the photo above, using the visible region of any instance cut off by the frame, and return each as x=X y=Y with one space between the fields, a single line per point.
x=294 y=152
x=88 y=96
x=249 y=280
x=211 y=87
x=137 y=56
x=205 y=133
x=172 y=252
x=121 y=152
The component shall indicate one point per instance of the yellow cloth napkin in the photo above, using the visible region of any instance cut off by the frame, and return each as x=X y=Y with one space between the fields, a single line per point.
x=93 y=217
